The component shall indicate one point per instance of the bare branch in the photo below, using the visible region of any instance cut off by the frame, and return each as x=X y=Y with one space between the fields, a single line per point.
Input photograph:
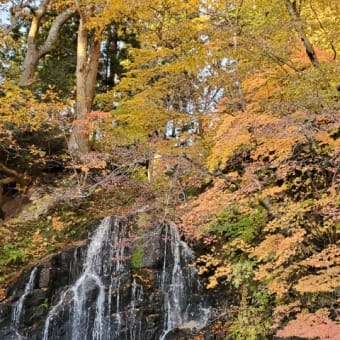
x=7 y=180
x=13 y=22
x=12 y=174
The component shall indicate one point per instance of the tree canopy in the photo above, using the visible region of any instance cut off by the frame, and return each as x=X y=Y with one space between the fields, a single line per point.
x=223 y=114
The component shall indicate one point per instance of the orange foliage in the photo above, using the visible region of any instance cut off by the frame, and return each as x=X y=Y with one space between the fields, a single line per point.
x=326 y=258
x=259 y=87
x=301 y=60
x=230 y=135
x=197 y=215
x=312 y=325
x=101 y=115
x=266 y=135
x=281 y=312
x=327 y=278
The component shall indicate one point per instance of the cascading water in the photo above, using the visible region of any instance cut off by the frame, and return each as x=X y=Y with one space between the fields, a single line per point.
x=18 y=307
x=182 y=303
x=96 y=267
x=105 y=298
x=90 y=295
x=119 y=257
x=135 y=316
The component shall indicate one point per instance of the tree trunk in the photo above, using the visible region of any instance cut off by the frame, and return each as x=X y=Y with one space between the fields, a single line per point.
x=32 y=55
x=299 y=28
x=88 y=53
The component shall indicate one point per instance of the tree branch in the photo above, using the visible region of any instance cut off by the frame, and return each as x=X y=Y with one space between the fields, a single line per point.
x=35 y=53
x=299 y=28
x=331 y=42
x=54 y=30
x=15 y=14
x=7 y=180
x=13 y=175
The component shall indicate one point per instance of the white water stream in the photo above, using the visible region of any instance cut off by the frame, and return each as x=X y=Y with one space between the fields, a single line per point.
x=96 y=267
x=97 y=307
x=180 y=311
x=18 y=307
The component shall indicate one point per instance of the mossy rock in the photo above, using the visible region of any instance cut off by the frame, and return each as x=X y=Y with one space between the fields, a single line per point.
x=137 y=256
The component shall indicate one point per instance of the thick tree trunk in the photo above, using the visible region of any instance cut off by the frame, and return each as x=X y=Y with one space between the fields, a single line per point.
x=299 y=28
x=29 y=69
x=88 y=53
x=79 y=141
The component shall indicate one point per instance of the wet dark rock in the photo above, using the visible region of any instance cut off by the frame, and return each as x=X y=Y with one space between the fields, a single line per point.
x=44 y=278
x=152 y=249
x=34 y=307
x=17 y=288
x=5 y=315
x=137 y=307
x=9 y=334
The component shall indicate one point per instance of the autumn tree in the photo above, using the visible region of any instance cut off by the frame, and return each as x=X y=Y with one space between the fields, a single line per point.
x=46 y=20
x=35 y=48
x=294 y=8
x=88 y=53
x=30 y=139
x=180 y=66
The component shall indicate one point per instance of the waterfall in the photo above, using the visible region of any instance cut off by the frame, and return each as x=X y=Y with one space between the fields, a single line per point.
x=87 y=321
x=18 y=307
x=173 y=288
x=53 y=314
x=135 y=315
x=106 y=299
x=96 y=267
x=182 y=309
x=119 y=257
x=95 y=295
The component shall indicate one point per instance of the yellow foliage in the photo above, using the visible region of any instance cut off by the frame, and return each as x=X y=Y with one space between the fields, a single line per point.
x=326 y=280
x=280 y=283
x=281 y=311
x=231 y=133
x=324 y=137
x=259 y=87
x=289 y=216
x=266 y=136
x=272 y=191
x=329 y=256
x=269 y=247
x=39 y=242
x=276 y=251
x=209 y=261
x=221 y=272
x=239 y=244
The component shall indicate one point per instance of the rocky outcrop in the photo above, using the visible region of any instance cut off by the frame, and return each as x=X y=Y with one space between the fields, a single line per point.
x=53 y=273
x=120 y=283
